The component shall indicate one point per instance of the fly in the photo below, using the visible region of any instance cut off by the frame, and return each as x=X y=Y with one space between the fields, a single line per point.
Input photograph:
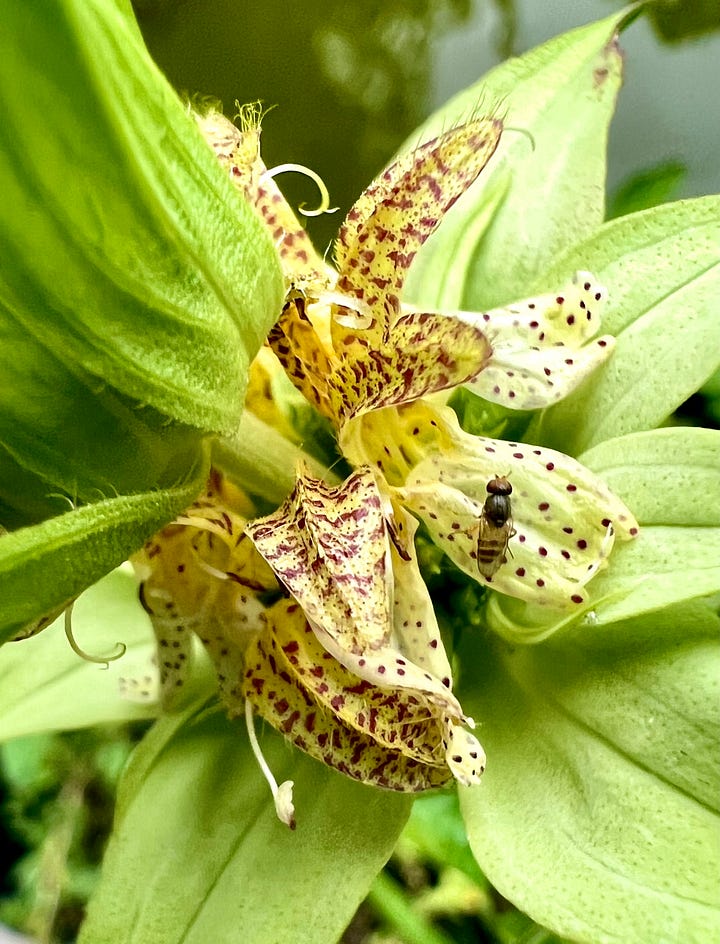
x=495 y=527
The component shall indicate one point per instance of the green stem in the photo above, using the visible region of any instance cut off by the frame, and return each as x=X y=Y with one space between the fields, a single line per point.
x=389 y=900
x=261 y=460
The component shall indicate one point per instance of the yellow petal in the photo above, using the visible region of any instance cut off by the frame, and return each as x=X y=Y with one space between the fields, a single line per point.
x=203 y=577
x=277 y=696
x=396 y=214
x=395 y=439
x=395 y=718
x=425 y=353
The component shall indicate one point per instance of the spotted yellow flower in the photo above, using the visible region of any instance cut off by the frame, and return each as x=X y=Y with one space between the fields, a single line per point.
x=316 y=615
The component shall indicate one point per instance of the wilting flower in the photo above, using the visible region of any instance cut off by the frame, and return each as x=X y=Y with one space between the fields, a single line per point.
x=316 y=615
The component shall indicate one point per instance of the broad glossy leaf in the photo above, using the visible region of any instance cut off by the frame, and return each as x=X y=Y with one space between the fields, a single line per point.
x=598 y=814
x=45 y=566
x=45 y=686
x=544 y=189
x=126 y=251
x=201 y=856
x=661 y=270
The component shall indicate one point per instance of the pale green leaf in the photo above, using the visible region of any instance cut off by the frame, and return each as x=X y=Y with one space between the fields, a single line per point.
x=664 y=566
x=661 y=271
x=598 y=813
x=45 y=566
x=198 y=854
x=544 y=189
x=45 y=686
x=667 y=476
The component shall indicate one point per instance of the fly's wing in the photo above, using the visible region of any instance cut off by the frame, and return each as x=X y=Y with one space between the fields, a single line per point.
x=492 y=545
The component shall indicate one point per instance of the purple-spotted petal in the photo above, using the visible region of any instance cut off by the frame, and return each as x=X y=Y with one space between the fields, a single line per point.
x=296 y=343
x=395 y=439
x=278 y=696
x=394 y=717
x=541 y=347
x=396 y=214
x=238 y=151
x=464 y=754
x=564 y=518
x=415 y=624
x=329 y=546
x=426 y=353
x=202 y=576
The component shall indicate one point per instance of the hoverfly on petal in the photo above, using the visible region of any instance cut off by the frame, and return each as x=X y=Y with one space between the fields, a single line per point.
x=495 y=527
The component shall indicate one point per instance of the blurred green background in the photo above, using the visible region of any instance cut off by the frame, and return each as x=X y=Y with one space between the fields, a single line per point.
x=351 y=81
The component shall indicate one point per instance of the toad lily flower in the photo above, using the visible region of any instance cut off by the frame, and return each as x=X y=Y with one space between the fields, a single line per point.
x=348 y=662
x=355 y=674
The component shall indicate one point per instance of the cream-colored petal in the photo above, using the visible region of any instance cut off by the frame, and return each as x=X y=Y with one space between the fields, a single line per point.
x=329 y=546
x=541 y=347
x=564 y=517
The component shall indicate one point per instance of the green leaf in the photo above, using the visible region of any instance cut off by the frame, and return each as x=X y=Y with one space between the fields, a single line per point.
x=45 y=686
x=25 y=498
x=198 y=854
x=665 y=565
x=126 y=251
x=598 y=813
x=544 y=189
x=669 y=477
x=661 y=269
x=45 y=566
x=75 y=434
